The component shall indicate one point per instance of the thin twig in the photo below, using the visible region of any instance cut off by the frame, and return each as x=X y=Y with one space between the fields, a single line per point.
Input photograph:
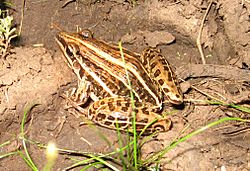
x=200 y=33
x=22 y=16
x=68 y=2
x=204 y=93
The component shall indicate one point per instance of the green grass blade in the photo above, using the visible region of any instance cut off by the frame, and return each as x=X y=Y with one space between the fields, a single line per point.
x=30 y=164
x=238 y=107
x=104 y=163
x=133 y=107
x=8 y=154
x=91 y=165
x=122 y=158
x=5 y=143
x=28 y=159
x=160 y=154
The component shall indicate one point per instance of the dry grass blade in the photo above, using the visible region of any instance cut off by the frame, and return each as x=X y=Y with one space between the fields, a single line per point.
x=200 y=33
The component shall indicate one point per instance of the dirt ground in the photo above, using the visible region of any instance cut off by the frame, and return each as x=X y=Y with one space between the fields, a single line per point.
x=36 y=73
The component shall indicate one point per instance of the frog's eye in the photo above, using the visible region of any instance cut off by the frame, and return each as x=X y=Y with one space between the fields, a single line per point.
x=86 y=33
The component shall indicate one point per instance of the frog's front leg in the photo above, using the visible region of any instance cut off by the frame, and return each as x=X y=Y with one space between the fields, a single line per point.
x=79 y=95
x=116 y=112
x=77 y=98
x=82 y=93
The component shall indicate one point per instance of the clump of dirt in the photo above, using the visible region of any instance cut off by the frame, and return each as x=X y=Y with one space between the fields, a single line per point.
x=40 y=75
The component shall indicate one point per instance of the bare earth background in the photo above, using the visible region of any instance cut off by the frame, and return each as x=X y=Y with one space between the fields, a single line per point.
x=39 y=75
